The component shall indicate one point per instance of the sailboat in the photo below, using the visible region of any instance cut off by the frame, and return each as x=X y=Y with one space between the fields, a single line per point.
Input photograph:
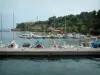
x=37 y=35
x=54 y=45
x=1 y=44
x=38 y=44
x=13 y=43
x=65 y=46
x=65 y=35
x=52 y=36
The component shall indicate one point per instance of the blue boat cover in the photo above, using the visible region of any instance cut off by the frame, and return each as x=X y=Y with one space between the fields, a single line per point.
x=38 y=42
x=95 y=44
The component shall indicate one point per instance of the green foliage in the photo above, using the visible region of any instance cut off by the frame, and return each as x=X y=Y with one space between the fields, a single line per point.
x=83 y=29
x=75 y=28
x=83 y=22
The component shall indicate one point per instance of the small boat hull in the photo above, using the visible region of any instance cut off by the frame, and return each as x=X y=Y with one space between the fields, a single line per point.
x=1 y=45
x=12 y=44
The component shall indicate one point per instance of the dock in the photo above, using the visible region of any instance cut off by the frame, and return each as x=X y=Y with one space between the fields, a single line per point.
x=48 y=51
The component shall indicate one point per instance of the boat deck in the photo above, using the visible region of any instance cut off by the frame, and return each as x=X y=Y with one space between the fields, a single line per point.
x=48 y=51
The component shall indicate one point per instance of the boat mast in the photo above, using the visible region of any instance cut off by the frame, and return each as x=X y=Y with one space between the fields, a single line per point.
x=44 y=29
x=37 y=24
x=1 y=26
x=13 y=25
x=54 y=23
x=65 y=25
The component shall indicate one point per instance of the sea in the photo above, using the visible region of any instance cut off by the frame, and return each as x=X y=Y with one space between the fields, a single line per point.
x=9 y=36
x=47 y=65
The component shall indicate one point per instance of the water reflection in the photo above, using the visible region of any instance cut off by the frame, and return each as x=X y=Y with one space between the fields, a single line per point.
x=51 y=58
x=52 y=65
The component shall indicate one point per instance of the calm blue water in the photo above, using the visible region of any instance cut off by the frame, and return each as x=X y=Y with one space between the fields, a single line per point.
x=8 y=36
x=68 y=65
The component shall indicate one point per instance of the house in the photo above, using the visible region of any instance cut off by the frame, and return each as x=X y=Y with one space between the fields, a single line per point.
x=36 y=28
x=51 y=28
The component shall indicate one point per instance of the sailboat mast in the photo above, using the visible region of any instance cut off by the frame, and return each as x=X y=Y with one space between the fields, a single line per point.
x=44 y=28
x=54 y=23
x=37 y=24
x=37 y=18
x=1 y=25
x=65 y=25
x=13 y=25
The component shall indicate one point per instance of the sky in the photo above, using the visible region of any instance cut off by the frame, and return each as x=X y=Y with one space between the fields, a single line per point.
x=28 y=10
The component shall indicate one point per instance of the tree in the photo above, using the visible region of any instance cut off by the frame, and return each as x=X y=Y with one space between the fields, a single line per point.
x=83 y=29
x=74 y=23
x=75 y=28
x=98 y=14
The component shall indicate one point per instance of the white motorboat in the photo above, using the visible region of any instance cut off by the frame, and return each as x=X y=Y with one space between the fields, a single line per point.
x=52 y=36
x=65 y=36
x=69 y=35
x=59 y=36
x=26 y=35
x=82 y=36
x=1 y=45
x=37 y=36
x=12 y=44
x=75 y=35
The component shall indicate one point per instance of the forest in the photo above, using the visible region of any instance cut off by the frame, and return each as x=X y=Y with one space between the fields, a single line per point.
x=85 y=22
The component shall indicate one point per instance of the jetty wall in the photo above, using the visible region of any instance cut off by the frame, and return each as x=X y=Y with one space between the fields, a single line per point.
x=48 y=51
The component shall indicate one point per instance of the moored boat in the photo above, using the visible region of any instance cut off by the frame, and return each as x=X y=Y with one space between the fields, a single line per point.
x=38 y=44
x=2 y=45
x=12 y=44
x=26 y=45
x=54 y=45
x=26 y=35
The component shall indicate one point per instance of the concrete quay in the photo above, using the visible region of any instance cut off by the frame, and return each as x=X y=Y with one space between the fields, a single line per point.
x=49 y=51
